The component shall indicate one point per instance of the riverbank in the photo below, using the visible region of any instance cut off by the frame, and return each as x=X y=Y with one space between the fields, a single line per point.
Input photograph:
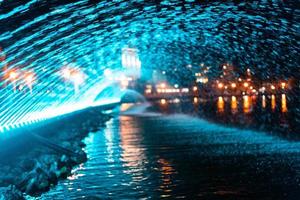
x=46 y=154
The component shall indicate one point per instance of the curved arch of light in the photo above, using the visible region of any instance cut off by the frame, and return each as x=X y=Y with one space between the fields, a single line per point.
x=43 y=37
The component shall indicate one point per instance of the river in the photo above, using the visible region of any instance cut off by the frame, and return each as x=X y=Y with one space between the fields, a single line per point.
x=147 y=154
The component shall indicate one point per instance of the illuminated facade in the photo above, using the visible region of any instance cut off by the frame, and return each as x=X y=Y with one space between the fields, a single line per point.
x=131 y=62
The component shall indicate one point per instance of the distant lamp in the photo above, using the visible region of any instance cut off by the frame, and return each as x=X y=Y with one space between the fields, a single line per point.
x=163 y=101
x=13 y=75
x=220 y=85
x=162 y=85
x=273 y=87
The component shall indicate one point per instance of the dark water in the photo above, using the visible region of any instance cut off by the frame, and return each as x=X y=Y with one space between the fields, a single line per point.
x=147 y=155
x=271 y=113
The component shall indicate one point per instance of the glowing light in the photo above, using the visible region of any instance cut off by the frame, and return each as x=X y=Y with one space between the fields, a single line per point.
x=220 y=85
x=262 y=89
x=283 y=85
x=107 y=73
x=273 y=87
x=163 y=101
x=264 y=103
x=162 y=85
x=246 y=104
x=234 y=105
x=176 y=100
x=283 y=103
x=148 y=91
x=220 y=105
x=13 y=75
x=233 y=85
x=273 y=102
x=29 y=79
x=185 y=90
x=195 y=88
x=246 y=84
x=195 y=100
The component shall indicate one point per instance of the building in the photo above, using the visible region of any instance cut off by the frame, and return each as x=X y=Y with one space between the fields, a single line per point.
x=131 y=62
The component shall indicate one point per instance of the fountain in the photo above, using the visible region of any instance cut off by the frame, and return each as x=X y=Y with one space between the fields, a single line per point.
x=53 y=56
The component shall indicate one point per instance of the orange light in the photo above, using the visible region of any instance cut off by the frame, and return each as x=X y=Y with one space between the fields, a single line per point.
x=163 y=101
x=283 y=103
x=220 y=105
x=195 y=88
x=273 y=102
x=195 y=100
x=283 y=85
x=13 y=75
x=273 y=87
x=246 y=84
x=246 y=104
x=233 y=85
x=234 y=106
x=148 y=91
x=220 y=85
x=29 y=78
x=162 y=85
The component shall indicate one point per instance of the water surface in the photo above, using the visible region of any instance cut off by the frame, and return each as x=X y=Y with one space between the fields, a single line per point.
x=148 y=155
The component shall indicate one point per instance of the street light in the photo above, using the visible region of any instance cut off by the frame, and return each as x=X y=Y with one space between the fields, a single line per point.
x=273 y=87
x=220 y=85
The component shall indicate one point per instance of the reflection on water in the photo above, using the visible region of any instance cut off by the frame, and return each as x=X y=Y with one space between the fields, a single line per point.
x=273 y=102
x=167 y=170
x=182 y=157
x=264 y=104
x=220 y=105
x=195 y=100
x=247 y=104
x=263 y=112
x=283 y=103
x=234 y=105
